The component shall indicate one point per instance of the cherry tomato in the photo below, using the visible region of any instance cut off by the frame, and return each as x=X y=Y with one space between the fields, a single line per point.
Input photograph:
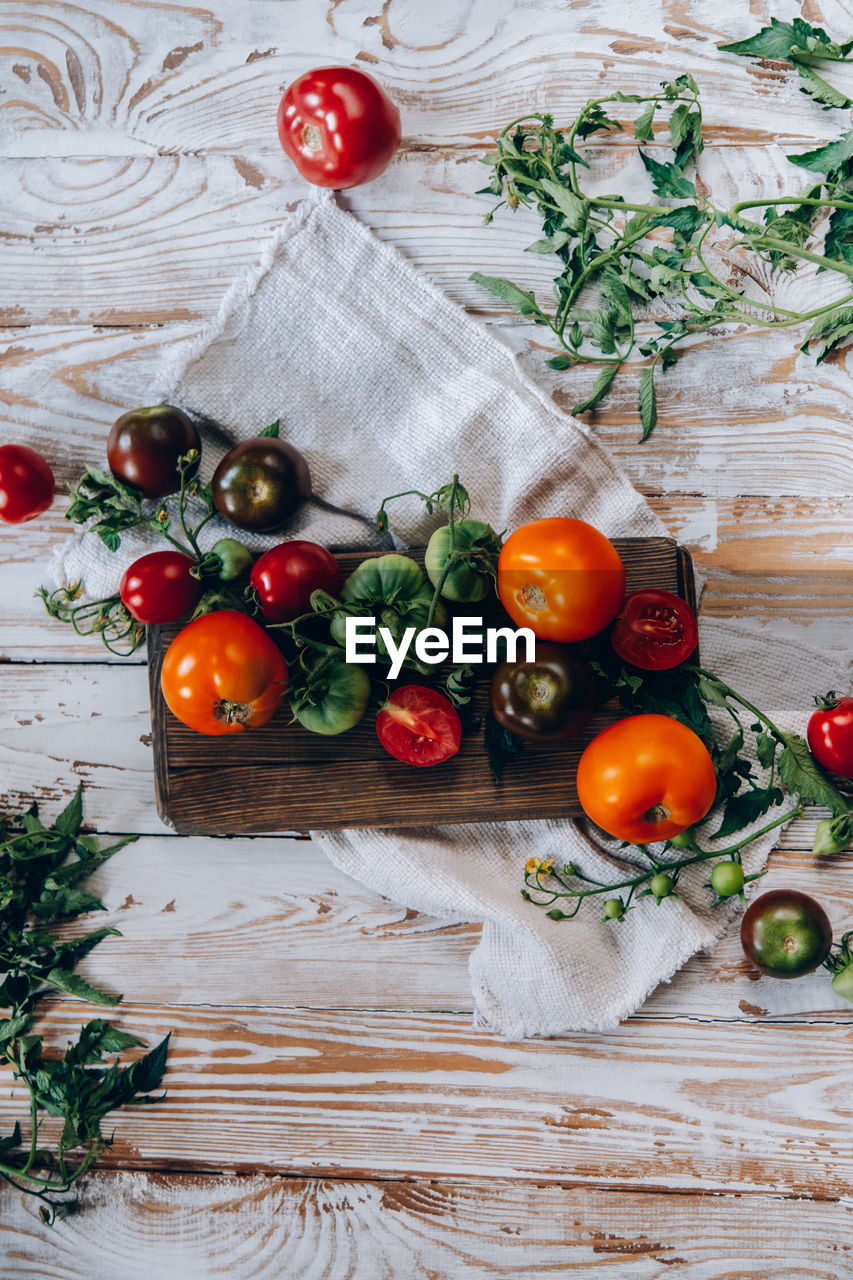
x=646 y=778
x=26 y=484
x=158 y=588
x=560 y=577
x=830 y=734
x=727 y=879
x=419 y=725
x=261 y=483
x=786 y=933
x=223 y=674
x=285 y=576
x=548 y=700
x=144 y=446
x=655 y=630
x=338 y=126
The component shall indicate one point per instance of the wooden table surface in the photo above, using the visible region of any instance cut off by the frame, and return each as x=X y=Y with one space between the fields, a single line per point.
x=330 y=1111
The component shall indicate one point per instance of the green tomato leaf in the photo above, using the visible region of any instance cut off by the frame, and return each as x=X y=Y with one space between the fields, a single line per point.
x=599 y=391
x=617 y=295
x=667 y=179
x=776 y=41
x=803 y=776
x=77 y=986
x=648 y=401
x=821 y=90
x=272 y=431
x=643 y=130
x=552 y=244
x=69 y=821
x=747 y=807
x=501 y=745
x=576 y=211
x=830 y=159
x=560 y=362
x=508 y=292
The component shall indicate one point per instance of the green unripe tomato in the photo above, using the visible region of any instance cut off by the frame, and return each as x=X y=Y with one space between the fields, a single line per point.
x=234 y=558
x=661 y=885
x=614 y=909
x=339 y=697
x=727 y=879
x=842 y=983
x=469 y=580
x=684 y=839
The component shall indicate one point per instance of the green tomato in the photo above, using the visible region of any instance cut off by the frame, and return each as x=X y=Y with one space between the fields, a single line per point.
x=661 y=885
x=393 y=590
x=470 y=579
x=234 y=558
x=842 y=983
x=727 y=879
x=335 y=699
x=614 y=909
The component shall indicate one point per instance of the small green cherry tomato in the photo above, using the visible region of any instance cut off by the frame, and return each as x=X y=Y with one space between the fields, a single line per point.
x=614 y=909
x=786 y=934
x=661 y=885
x=842 y=983
x=727 y=879
x=234 y=558
x=469 y=580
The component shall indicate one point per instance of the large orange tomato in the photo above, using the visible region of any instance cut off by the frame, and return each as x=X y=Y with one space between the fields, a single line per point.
x=560 y=577
x=223 y=674
x=646 y=778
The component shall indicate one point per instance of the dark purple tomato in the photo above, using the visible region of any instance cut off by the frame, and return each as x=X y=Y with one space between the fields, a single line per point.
x=786 y=933
x=144 y=446
x=261 y=483
x=159 y=588
x=548 y=700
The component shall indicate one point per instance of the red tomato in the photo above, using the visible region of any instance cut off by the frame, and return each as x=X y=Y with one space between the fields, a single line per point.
x=26 y=484
x=560 y=577
x=646 y=778
x=158 y=588
x=655 y=630
x=419 y=725
x=285 y=576
x=830 y=734
x=338 y=126
x=223 y=674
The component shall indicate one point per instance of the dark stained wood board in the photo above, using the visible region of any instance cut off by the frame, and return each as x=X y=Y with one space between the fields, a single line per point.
x=283 y=778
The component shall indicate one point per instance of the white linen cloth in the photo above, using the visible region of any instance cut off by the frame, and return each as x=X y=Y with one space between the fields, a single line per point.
x=386 y=385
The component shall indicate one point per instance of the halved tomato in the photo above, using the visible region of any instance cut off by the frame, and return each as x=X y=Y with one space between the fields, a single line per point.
x=655 y=630
x=419 y=726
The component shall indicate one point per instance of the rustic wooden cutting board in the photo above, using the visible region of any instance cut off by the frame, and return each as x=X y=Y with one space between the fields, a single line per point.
x=283 y=778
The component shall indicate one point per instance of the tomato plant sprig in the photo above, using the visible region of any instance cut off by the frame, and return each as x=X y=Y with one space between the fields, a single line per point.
x=42 y=874
x=614 y=243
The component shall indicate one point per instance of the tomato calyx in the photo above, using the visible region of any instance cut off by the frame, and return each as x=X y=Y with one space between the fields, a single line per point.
x=827 y=701
x=228 y=712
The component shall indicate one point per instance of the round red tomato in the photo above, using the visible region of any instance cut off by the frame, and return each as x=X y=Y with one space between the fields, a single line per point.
x=830 y=734
x=159 y=588
x=223 y=674
x=338 y=126
x=560 y=577
x=285 y=576
x=646 y=778
x=655 y=630
x=26 y=484
x=419 y=725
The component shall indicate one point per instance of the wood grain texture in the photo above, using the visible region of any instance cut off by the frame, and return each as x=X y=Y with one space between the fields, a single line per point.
x=284 y=777
x=474 y=1230
x=97 y=239
x=177 y=78
x=249 y=922
x=669 y=1104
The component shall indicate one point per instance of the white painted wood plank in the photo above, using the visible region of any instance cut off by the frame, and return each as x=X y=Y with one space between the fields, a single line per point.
x=180 y=1226
x=250 y=922
x=82 y=80
x=669 y=1104
x=121 y=239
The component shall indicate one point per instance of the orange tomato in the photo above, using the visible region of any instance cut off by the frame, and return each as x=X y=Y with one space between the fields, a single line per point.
x=223 y=674
x=560 y=577
x=646 y=778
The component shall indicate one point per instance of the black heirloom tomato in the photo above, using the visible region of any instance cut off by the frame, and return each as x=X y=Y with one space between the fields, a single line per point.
x=144 y=446
x=786 y=933
x=261 y=483
x=548 y=700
